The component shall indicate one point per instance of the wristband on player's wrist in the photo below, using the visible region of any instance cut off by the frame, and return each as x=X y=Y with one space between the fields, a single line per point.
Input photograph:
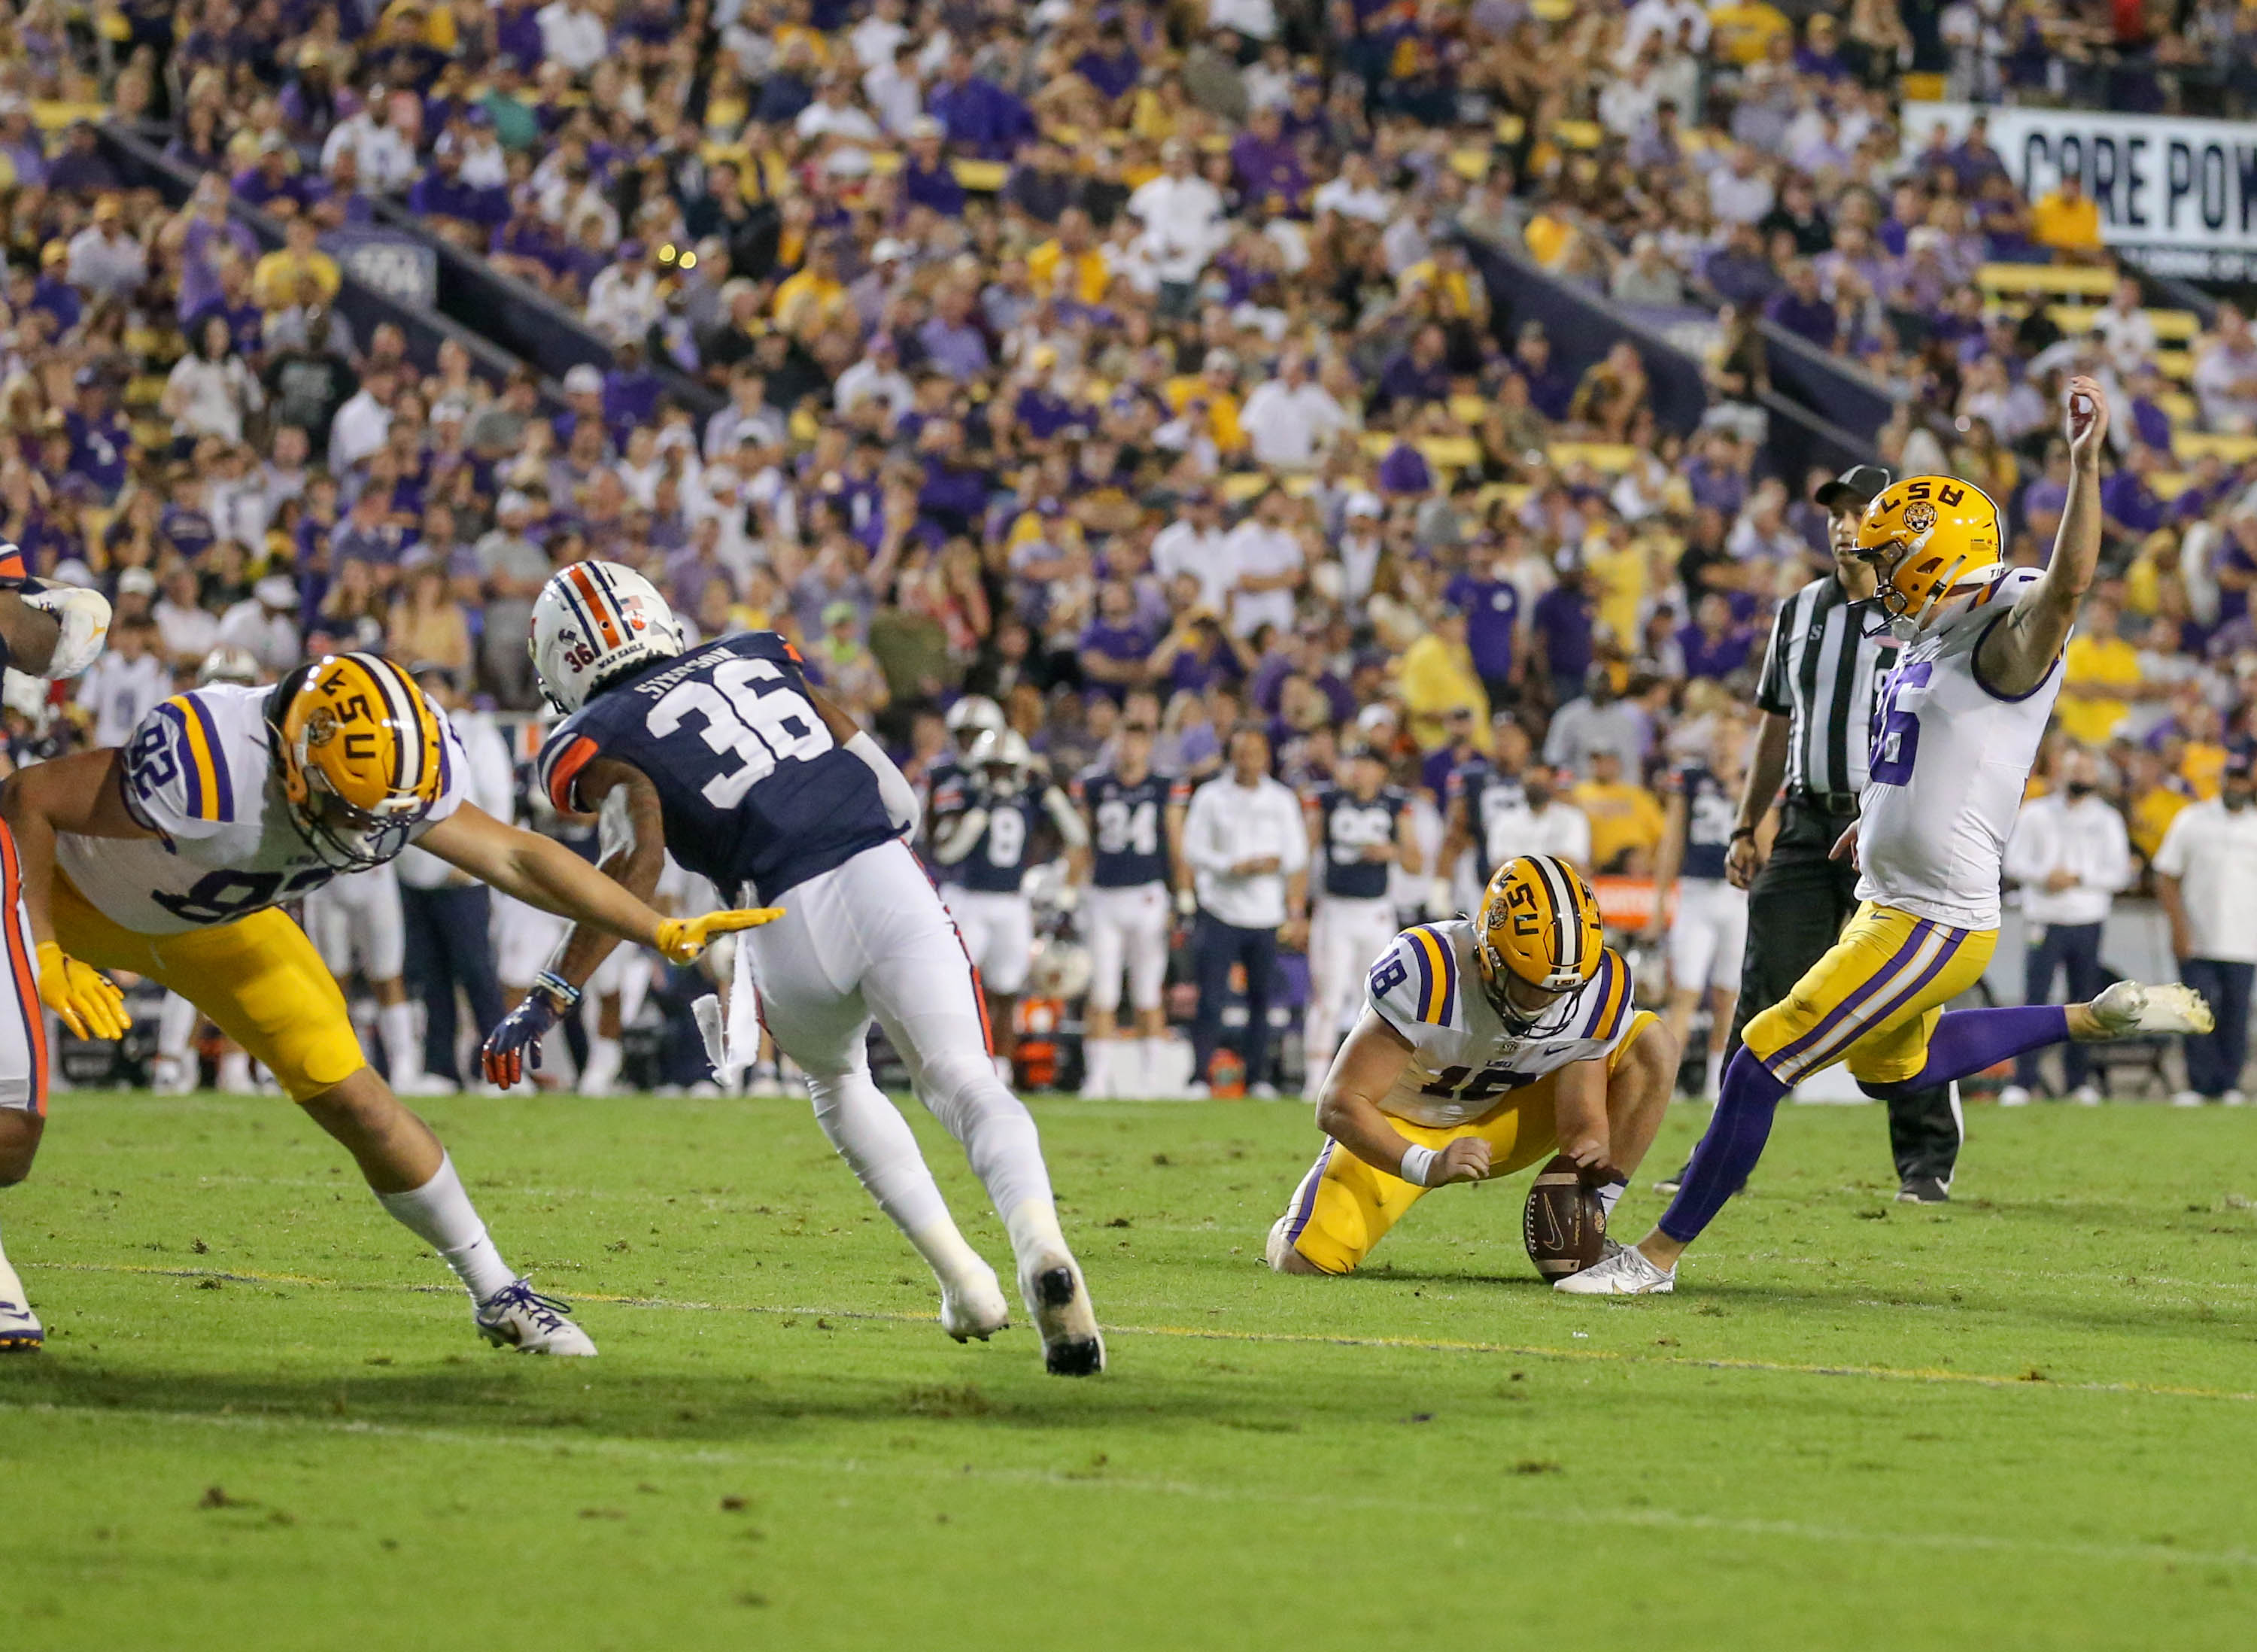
x=1739 y=832
x=562 y=993
x=1417 y=1162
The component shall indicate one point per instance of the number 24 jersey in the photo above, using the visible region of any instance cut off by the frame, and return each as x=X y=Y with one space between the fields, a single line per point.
x=200 y=773
x=1463 y=1060
x=754 y=791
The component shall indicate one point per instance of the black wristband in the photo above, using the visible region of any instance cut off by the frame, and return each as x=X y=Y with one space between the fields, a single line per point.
x=1739 y=832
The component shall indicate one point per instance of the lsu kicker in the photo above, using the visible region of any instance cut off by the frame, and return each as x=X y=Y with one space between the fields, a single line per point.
x=1954 y=735
x=725 y=755
x=1485 y=1045
x=172 y=858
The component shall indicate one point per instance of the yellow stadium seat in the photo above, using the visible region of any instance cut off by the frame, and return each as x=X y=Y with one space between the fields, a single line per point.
x=2169 y=485
x=2181 y=324
x=1921 y=88
x=1242 y=485
x=2179 y=406
x=1472 y=165
x=1578 y=134
x=1452 y=453
x=1612 y=457
x=1509 y=129
x=2084 y=280
x=51 y=116
x=985 y=177
x=144 y=390
x=2072 y=318
x=2175 y=363
x=1469 y=410
x=2197 y=444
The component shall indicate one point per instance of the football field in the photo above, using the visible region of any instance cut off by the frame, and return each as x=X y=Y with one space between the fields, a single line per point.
x=263 y=1419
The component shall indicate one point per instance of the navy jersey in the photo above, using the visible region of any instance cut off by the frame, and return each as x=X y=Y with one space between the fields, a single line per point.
x=997 y=864
x=1709 y=814
x=1128 y=838
x=1347 y=827
x=1497 y=816
x=755 y=791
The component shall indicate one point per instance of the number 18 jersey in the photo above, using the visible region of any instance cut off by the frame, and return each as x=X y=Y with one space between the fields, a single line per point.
x=754 y=791
x=1951 y=756
x=1463 y=1059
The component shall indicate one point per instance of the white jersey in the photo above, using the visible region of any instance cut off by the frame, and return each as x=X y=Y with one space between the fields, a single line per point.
x=1950 y=760
x=1463 y=1060
x=201 y=773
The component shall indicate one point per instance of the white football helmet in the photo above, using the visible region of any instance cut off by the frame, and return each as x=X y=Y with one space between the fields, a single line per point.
x=228 y=663
x=971 y=717
x=1000 y=749
x=594 y=622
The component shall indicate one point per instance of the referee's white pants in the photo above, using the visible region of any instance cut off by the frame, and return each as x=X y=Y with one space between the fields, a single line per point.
x=1128 y=931
x=1345 y=938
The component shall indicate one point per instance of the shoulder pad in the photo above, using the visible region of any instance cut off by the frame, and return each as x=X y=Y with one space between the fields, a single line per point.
x=176 y=771
x=1415 y=982
x=570 y=747
x=1606 y=1004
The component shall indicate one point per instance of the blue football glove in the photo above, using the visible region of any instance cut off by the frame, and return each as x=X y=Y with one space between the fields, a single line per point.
x=519 y=1031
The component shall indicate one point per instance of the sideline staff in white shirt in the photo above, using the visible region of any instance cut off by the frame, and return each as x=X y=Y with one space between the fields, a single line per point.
x=1246 y=849
x=2206 y=873
x=2070 y=854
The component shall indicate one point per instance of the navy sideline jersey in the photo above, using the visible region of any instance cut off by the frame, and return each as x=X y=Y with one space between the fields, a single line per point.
x=754 y=791
x=1348 y=826
x=997 y=864
x=1710 y=812
x=1129 y=837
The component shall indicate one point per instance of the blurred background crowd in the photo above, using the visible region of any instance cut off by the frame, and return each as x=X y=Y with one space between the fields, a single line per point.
x=1088 y=356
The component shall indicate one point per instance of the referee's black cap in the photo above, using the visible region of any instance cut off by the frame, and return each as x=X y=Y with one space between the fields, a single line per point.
x=1860 y=482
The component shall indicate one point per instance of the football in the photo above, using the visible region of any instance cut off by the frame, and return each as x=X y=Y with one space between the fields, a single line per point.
x=1563 y=1224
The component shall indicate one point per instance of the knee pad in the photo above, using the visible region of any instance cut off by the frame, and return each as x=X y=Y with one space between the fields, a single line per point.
x=962 y=1081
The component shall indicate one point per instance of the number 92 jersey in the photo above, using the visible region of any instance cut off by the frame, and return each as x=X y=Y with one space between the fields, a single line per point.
x=1463 y=1061
x=754 y=791
x=200 y=773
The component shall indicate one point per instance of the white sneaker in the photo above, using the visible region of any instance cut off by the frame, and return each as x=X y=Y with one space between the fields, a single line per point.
x=1626 y=1273
x=1263 y=1092
x=2235 y=1099
x=173 y=1075
x=974 y=1308
x=2128 y=1007
x=765 y=1082
x=2013 y=1095
x=2188 y=1098
x=426 y=1084
x=1197 y=1091
x=1072 y=1346
x=20 y=1330
x=2087 y=1096
x=519 y=1317
x=605 y=1056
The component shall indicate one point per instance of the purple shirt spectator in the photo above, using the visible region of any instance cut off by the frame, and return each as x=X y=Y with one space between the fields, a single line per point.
x=959 y=349
x=1492 y=612
x=200 y=251
x=2126 y=497
x=934 y=187
x=1714 y=657
x=981 y=116
x=1564 y=617
x=1810 y=317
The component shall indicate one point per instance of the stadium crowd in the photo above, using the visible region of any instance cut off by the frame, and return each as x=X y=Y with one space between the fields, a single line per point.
x=1122 y=364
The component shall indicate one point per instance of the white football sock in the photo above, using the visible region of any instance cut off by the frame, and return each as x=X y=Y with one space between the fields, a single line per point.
x=997 y=1132
x=176 y=1025
x=1712 y=1076
x=871 y=1136
x=605 y=1057
x=11 y=1289
x=1160 y=1067
x=440 y=1214
x=235 y=1072
x=1097 y=1066
x=403 y=1051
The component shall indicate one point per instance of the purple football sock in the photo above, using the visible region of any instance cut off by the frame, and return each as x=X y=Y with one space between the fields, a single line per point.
x=1968 y=1040
x=1735 y=1141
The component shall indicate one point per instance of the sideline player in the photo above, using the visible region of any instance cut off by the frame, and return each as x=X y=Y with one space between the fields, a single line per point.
x=725 y=756
x=1359 y=831
x=173 y=856
x=355 y=920
x=1709 y=930
x=1954 y=737
x=1133 y=818
x=983 y=830
x=1485 y=1045
x=55 y=632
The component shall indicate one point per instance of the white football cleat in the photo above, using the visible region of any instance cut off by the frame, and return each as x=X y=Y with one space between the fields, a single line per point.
x=1625 y=1274
x=20 y=1330
x=2087 y=1096
x=519 y=1317
x=974 y=1308
x=1072 y=1346
x=2187 y=1098
x=2013 y=1095
x=2128 y=1007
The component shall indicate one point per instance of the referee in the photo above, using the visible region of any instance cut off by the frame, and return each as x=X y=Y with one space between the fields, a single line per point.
x=1817 y=696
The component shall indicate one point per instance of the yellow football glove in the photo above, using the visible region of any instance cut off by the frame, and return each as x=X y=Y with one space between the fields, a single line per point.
x=87 y=1000
x=683 y=939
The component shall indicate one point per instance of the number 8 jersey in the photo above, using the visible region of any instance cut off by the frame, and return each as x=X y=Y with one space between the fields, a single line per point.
x=1950 y=760
x=1463 y=1060
x=754 y=791
x=200 y=773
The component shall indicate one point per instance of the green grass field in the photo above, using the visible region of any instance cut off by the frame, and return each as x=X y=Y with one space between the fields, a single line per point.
x=263 y=1420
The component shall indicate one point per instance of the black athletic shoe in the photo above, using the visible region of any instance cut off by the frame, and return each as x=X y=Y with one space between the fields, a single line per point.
x=1669 y=1184
x=1923 y=1190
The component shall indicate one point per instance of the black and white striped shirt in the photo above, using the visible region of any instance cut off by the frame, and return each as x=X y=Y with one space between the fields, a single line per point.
x=1819 y=673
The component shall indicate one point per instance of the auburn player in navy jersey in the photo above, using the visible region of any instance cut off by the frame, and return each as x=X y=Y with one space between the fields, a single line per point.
x=728 y=758
x=1709 y=928
x=1133 y=818
x=984 y=829
x=1358 y=831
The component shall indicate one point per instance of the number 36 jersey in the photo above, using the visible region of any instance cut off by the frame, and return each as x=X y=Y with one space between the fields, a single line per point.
x=753 y=789
x=1463 y=1061
x=1951 y=756
x=200 y=773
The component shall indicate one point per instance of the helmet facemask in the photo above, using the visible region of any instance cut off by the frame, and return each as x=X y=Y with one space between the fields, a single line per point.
x=1500 y=984
x=349 y=838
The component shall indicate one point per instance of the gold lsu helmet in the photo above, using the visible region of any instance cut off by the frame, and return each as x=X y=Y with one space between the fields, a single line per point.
x=362 y=756
x=1925 y=536
x=1537 y=923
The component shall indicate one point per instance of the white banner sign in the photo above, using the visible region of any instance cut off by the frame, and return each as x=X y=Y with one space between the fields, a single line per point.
x=2180 y=193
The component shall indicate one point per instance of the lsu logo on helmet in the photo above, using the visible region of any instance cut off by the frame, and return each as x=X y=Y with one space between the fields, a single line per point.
x=1925 y=537
x=363 y=757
